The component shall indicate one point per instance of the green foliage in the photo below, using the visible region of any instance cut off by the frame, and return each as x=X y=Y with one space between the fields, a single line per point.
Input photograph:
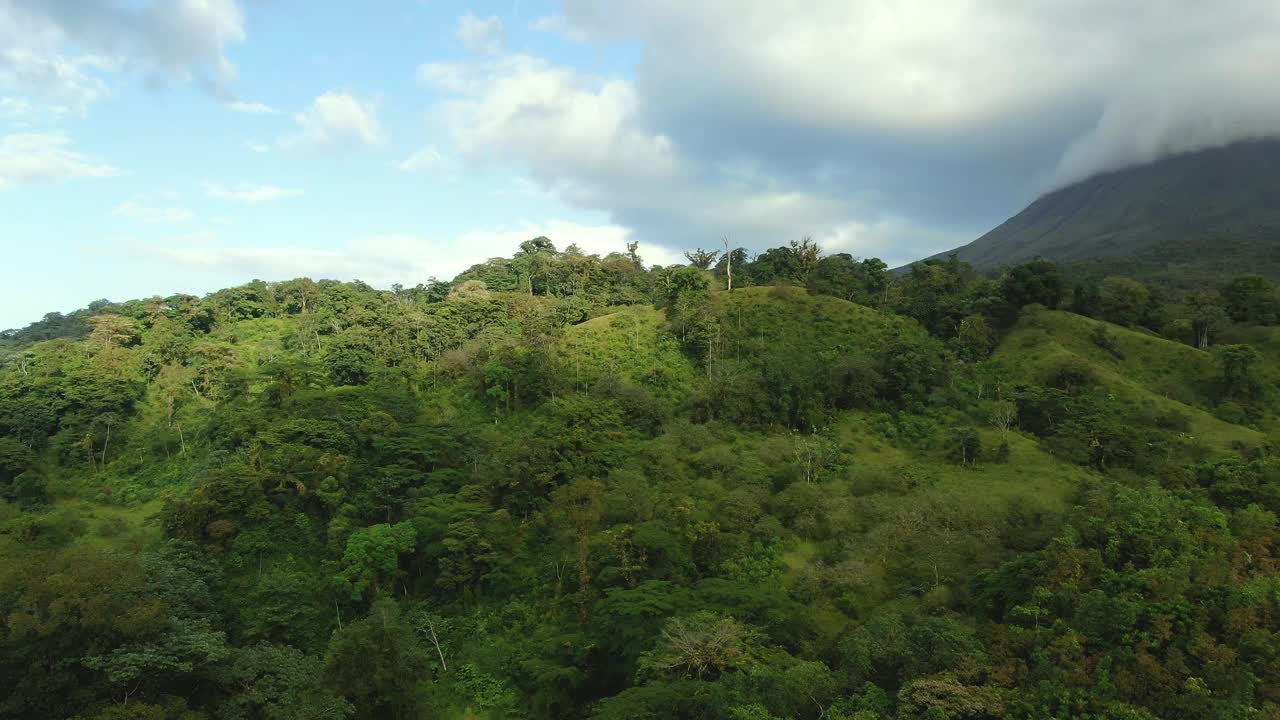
x=965 y=447
x=565 y=486
x=377 y=665
x=278 y=682
x=1251 y=299
x=701 y=646
x=1035 y=283
x=372 y=556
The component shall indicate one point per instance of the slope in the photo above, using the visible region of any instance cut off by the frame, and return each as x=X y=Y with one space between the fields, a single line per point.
x=1213 y=210
x=1158 y=377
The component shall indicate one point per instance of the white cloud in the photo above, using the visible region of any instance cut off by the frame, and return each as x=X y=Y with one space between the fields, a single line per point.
x=404 y=258
x=144 y=208
x=15 y=109
x=59 y=85
x=920 y=64
x=337 y=119
x=57 y=52
x=561 y=123
x=1209 y=107
x=257 y=147
x=445 y=76
x=896 y=240
x=252 y=108
x=908 y=123
x=481 y=35
x=558 y=25
x=426 y=160
x=35 y=157
x=585 y=141
x=250 y=193
x=1152 y=74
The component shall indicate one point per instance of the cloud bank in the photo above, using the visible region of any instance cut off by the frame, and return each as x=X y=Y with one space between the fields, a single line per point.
x=900 y=128
x=58 y=52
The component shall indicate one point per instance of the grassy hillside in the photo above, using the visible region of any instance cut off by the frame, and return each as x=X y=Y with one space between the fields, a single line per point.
x=632 y=344
x=1154 y=376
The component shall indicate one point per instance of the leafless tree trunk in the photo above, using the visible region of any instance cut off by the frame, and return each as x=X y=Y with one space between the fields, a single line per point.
x=105 y=444
x=431 y=627
x=728 y=261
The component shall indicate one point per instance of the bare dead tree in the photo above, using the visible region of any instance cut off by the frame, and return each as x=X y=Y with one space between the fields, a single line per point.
x=728 y=261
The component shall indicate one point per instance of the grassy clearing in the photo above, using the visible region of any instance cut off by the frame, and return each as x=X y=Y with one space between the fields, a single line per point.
x=1147 y=372
x=820 y=322
x=1030 y=473
x=632 y=344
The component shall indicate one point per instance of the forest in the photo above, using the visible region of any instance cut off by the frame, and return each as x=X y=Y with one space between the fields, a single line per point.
x=785 y=486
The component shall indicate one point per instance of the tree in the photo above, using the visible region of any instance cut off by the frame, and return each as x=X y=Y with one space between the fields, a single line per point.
x=540 y=244
x=934 y=294
x=807 y=253
x=1004 y=413
x=701 y=259
x=1124 y=301
x=878 y=279
x=1035 y=282
x=378 y=664
x=840 y=275
x=372 y=556
x=432 y=628
x=466 y=559
x=687 y=280
x=470 y=289
x=350 y=357
x=1238 y=363
x=728 y=260
x=1251 y=299
x=974 y=338
x=279 y=682
x=689 y=311
x=965 y=447
x=113 y=331
x=703 y=645
x=1207 y=316
x=15 y=458
x=578 y=506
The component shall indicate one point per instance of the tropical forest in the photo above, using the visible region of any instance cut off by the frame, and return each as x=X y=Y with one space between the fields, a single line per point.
x=792 y=485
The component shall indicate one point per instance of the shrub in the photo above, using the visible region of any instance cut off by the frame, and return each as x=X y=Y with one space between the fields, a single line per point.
x=1173 y=419
x=1107 y=341
x=1071 y=376
x=1232 y=412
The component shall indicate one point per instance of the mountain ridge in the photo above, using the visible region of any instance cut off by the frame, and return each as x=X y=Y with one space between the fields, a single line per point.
x=1169 y=210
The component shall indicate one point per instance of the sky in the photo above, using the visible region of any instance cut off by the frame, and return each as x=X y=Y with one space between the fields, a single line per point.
x=149 y=147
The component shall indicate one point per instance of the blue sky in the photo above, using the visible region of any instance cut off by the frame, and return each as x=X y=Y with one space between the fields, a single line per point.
x=183 y=146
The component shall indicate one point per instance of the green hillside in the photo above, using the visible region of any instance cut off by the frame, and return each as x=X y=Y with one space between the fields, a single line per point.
x=566 y=486
x=1158 y=377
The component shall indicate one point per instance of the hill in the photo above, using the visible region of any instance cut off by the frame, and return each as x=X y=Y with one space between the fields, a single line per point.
x=1212 y=212
x=565 y=486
